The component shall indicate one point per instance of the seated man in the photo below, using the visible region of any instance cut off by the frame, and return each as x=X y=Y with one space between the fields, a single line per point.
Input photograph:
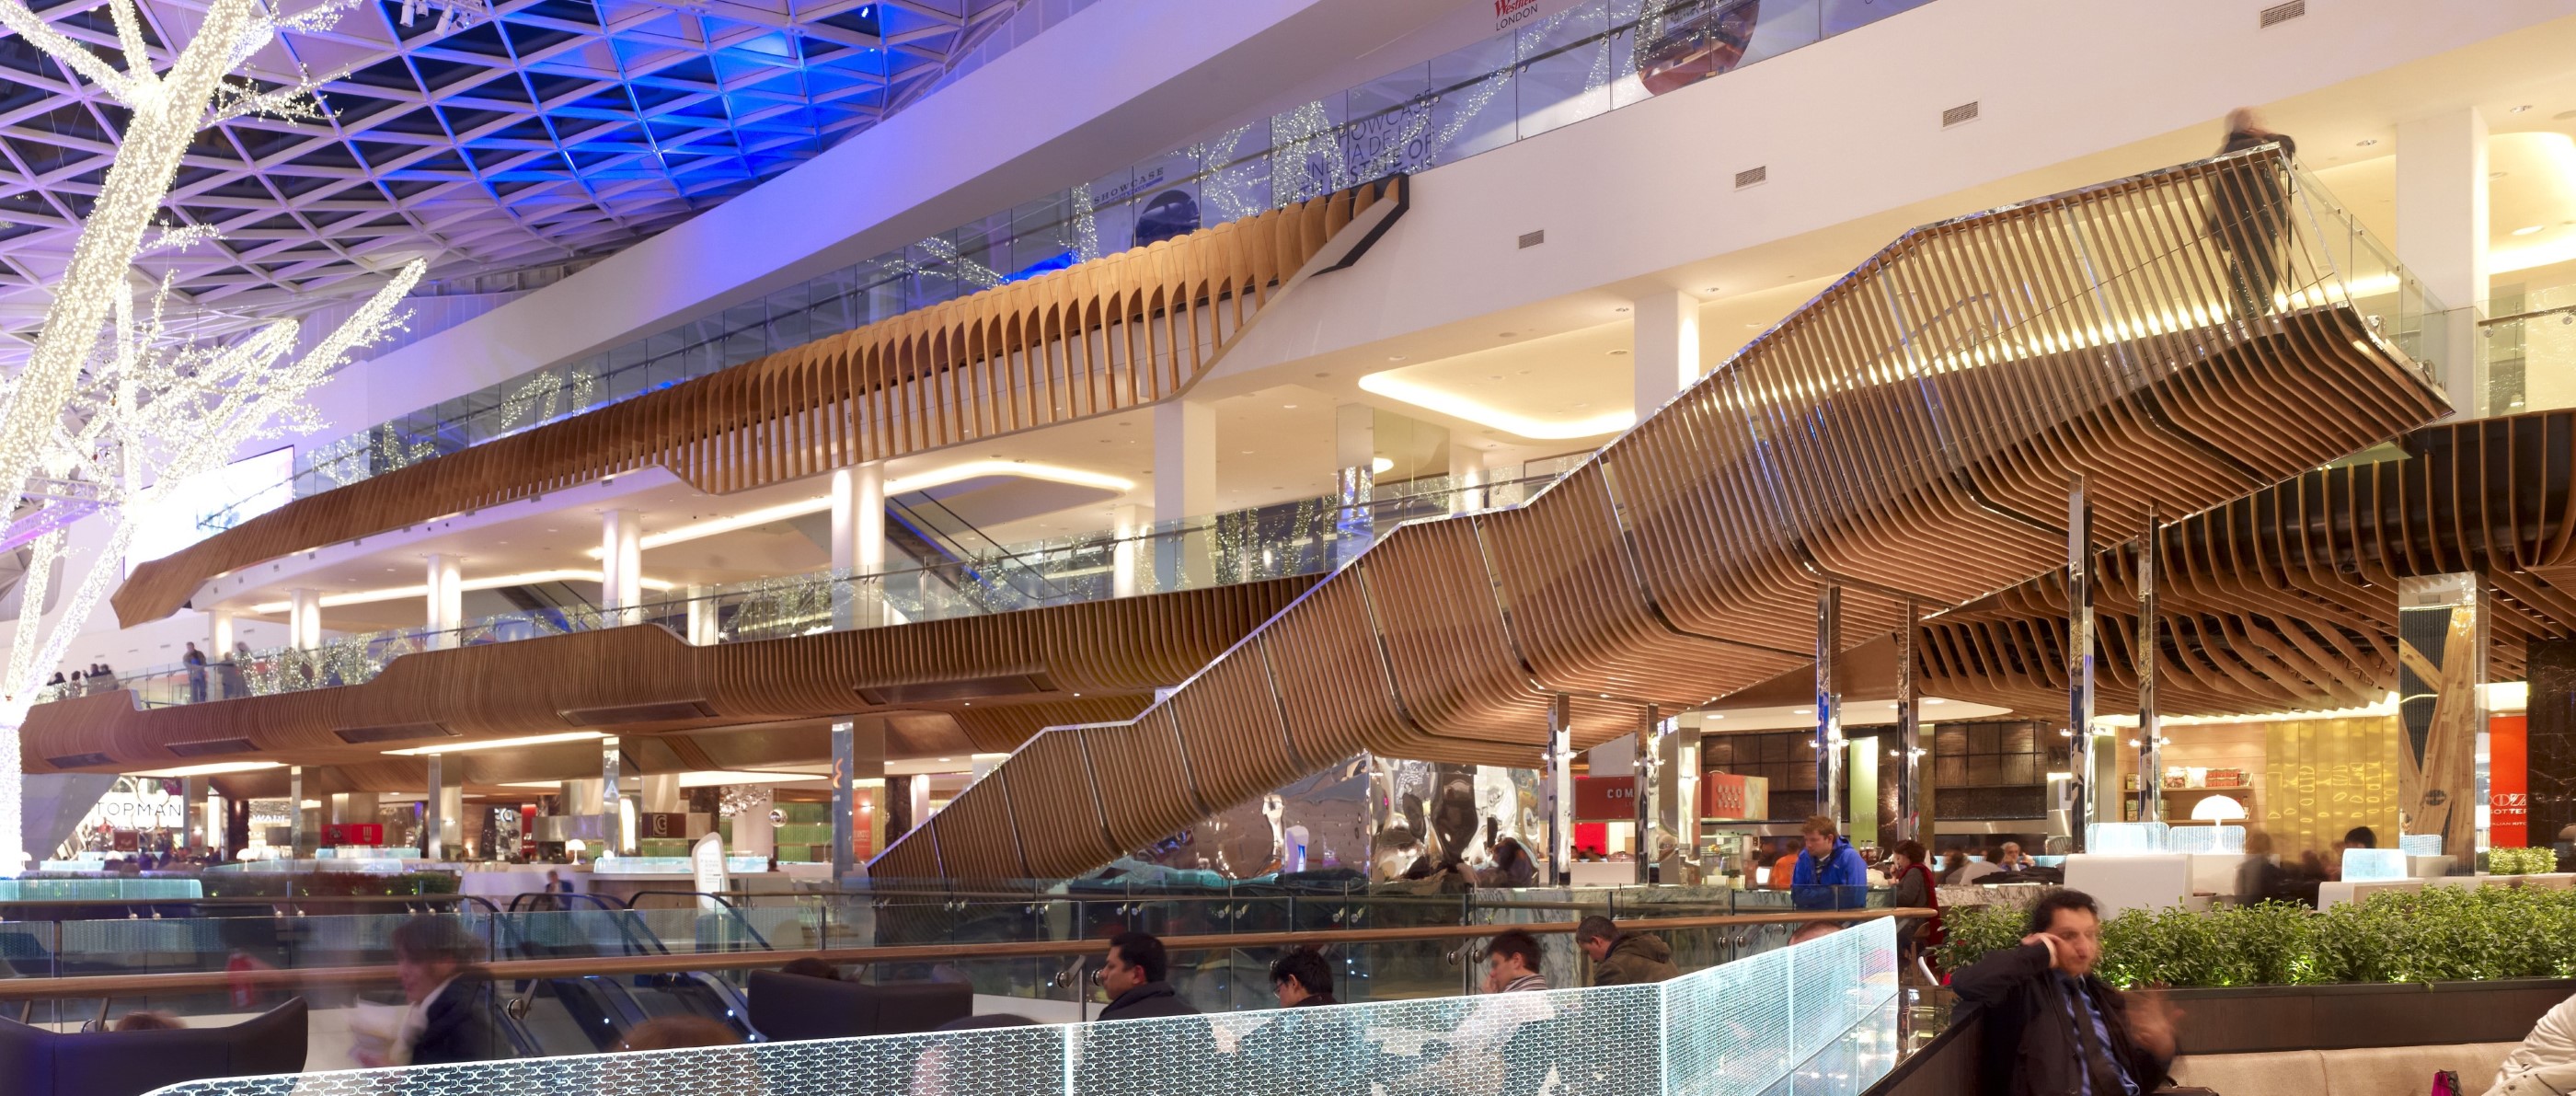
x=2051 y=1026
x=1133 y=974
x=1623 y=958
x=2545 y=1063
x=1513 y=964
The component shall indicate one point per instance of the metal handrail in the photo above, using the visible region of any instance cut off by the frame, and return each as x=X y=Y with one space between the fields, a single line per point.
x=731 y=910
x=130 y=985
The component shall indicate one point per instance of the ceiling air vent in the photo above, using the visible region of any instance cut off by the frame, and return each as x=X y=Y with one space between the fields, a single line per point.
x=2283 y=13
x=80 y=761
x=1964 y=112
x=677 y=711
x=209 y=746
x=1533 y=239
x=1751 y=175
x=397 y=732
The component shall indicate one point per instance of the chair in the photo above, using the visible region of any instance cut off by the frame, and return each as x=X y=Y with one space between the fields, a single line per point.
x=788 y=1007
x=38 y=1062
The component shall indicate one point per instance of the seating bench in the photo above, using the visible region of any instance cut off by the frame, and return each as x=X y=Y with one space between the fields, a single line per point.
x=2367 y=1071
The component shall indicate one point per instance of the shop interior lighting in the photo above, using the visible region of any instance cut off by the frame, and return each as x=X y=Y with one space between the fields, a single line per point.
x=491 y=582
x=497 y=744
x=902 y=485
x=1456 y=406
x=216 y=768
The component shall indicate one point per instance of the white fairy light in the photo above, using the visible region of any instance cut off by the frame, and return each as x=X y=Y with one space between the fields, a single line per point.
x=108 y=398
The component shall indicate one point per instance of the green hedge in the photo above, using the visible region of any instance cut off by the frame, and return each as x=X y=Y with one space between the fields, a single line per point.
x=2434 y=935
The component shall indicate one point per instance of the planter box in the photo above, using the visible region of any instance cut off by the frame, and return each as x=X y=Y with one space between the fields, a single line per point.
x=2340 y=1017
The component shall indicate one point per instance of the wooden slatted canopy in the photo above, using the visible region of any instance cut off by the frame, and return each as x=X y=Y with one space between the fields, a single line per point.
x=1008 y=674
x=1910 y=433
x=2287 y=600
x=1115 y=333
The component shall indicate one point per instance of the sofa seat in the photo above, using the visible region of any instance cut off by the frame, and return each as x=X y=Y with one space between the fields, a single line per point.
x=2371 y=1071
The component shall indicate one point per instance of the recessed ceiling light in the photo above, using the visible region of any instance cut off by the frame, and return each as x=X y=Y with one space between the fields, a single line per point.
x=1247 y=452
x=1288 y=406
x=2527 y=230
x=1390 y=357
x=2366 y=142
x=1802 y=711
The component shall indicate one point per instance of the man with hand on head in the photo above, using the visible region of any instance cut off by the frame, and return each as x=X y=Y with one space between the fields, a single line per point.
x=2052 y=1028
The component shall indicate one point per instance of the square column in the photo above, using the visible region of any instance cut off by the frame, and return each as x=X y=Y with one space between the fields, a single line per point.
x=304 y=618
x=1184 y=487
x=1466 y=479
x=1557 y=790
x=2441 y=662
x=194 y=831
x=2085 y=756
x=1909 y=733
x=752 y=833
x=446 y=582
x=858 y=545
x=219 y=634
x=705 y=628
x=1666 y=353
x=1355 y=481
x=2442 y=238
x=1829 y=704
x=298 y=835
x=1127 y=523
x=612 y=798
x=1644 y=774
x=858 y=778
x=443 y=809
x=621 y=561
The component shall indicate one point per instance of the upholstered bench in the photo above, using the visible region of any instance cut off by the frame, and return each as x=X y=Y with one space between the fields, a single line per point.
x=2370 y=1071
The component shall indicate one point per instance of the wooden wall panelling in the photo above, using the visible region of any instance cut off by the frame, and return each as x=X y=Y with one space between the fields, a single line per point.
x=1145 y=324
x=1818 y=447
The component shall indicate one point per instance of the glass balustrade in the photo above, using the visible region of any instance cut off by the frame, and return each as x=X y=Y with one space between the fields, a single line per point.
x=1552 y=71
x=1280 y=540
x=1817 y=1017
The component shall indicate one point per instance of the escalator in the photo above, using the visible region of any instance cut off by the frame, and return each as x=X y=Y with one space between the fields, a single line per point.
x=579 y=1014
x=967 y=560
x=1906 y=442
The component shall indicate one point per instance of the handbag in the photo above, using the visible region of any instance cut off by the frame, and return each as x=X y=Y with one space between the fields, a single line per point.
x=2446 y=1083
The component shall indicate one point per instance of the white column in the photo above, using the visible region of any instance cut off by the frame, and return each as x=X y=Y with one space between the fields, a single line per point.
x=2442 y=237
x=1184 y=487
x=1466 y=478
x=752 y=833
x=1126 y=523
x=304 y=618
x=920 y=800
x=858 y=545
x=1666 y=351
x=220 y=637
x=703 y=620
x=621 y=559
x=446 y=584
x=1354 y=480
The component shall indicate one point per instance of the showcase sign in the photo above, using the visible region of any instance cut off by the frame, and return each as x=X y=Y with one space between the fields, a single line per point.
x=1728 y=797
x=1512 y=14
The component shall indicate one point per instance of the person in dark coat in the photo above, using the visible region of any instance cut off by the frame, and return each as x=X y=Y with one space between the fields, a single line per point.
x=454 y=1016
x=1134 y=976
x=1623 y=958
x=2051 y=1026
x=2251 y=213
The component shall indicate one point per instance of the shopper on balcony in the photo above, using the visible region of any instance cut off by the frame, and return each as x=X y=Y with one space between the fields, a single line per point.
x=1623 y=958
x=1914 y=890
x=2252 y=214
x=1830 y=874
x=195 y=661
x=1511 y=964
x=1302 y=979
x=1134 y=976
x=2052 y=1028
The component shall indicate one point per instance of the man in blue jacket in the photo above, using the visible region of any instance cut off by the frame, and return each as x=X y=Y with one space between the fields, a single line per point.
x=1830 y=876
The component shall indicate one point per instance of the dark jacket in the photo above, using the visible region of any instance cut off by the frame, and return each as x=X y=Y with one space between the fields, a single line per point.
x=1635 y=958
x=462 y=1023
x=2030 y=1046
x=1150 y=999
x=1839 y=882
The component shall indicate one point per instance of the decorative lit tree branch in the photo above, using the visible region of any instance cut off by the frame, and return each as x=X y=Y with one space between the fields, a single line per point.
x=109 y=399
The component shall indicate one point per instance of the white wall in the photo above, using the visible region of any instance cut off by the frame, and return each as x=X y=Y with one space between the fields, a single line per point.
x=1850 y=128
x=1121 y=81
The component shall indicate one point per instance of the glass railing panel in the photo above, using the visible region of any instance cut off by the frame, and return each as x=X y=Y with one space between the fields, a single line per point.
x=1600 y=55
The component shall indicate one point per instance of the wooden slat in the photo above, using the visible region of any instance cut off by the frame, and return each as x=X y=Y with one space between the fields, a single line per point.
x=1910 y=434
x=934 y=377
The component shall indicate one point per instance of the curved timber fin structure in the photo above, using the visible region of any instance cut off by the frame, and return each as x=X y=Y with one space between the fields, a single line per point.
x=1117 y=332
x=2180 y=339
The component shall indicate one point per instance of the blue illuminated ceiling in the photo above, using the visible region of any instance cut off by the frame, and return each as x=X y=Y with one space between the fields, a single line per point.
x=499 y=135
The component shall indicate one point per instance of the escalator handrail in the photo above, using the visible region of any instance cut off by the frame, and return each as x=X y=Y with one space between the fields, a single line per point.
x=1049 y=591
x=732 y=910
